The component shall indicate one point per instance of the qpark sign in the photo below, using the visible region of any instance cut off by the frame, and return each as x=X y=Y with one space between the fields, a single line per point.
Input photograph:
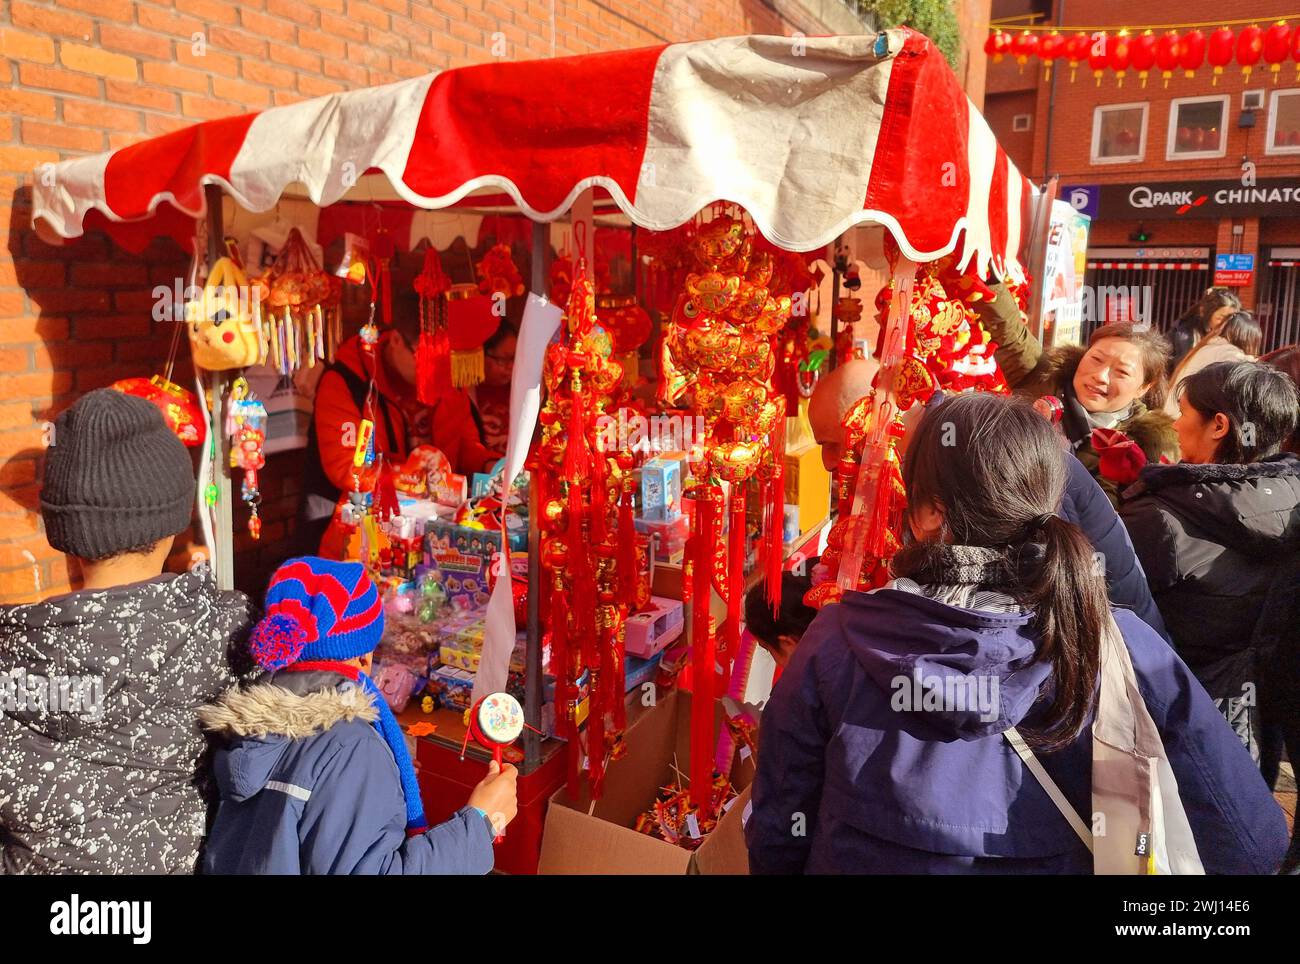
x=1267 y=197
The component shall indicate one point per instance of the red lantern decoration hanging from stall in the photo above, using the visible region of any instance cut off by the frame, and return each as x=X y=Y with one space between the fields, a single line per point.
x=1076 y=48
x=1143 y=54
x=629 y=326
x=1168 y=51
x=471 y=321
x=1218 y=51
x=1119 y=49
x=1192 y=54
x=180 y=409
x=1277 y=47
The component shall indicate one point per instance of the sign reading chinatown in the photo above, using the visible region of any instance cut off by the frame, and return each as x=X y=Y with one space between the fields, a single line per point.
x=1157 y=201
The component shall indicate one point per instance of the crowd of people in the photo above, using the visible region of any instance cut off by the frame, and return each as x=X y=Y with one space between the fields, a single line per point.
x=1033 y=573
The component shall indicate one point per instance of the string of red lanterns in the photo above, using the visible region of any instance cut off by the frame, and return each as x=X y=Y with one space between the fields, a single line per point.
x=1171 y=50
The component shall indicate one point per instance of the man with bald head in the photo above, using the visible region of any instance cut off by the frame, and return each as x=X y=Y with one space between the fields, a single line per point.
x=831 y=400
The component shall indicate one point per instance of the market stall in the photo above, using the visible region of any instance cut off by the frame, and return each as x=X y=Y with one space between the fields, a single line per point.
x=719 y=161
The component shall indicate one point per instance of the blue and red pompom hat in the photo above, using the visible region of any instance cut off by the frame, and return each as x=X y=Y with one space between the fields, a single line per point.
x=317 y=610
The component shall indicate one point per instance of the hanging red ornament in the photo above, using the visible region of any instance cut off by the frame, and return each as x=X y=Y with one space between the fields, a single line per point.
x=997 y=44
x=1076 y=48
x=1143 y=54
x=180 y=409
x=1024 y=46
x=1168 y=50
x=1119 y=50
x=1192 y=55
x=1250 y=47
x=1219 y=50
x=1277 y=47
x=1098 y=58
x=1050 y=48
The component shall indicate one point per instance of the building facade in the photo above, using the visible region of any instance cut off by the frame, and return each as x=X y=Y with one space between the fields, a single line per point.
x=1173 y=173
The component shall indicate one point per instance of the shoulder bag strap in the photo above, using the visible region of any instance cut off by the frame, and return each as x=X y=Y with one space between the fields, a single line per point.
x=1049 y=785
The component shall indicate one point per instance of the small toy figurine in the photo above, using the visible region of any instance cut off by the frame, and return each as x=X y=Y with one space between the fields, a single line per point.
x=426 y=704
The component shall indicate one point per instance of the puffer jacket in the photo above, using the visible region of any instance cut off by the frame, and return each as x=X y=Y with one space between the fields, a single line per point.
x=1212 y=540
x=116 y=784
x=1033 y=372
x=308 y=786
x=855 y=776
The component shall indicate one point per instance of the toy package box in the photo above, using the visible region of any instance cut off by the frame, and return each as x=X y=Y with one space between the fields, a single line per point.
x=661 y=488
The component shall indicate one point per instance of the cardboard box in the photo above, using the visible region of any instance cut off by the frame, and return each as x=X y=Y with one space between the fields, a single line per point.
x=808 y=486
x=582 y=837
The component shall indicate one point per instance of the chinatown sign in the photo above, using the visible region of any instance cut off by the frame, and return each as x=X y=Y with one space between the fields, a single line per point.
x=1169 y=200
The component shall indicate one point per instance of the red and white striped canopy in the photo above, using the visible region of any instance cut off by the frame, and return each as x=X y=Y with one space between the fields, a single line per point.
x=810 y=135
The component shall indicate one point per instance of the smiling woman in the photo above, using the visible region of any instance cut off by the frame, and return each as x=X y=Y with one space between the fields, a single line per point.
x=1117 y=383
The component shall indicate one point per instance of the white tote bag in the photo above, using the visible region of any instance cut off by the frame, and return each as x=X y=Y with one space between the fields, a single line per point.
x=1139 y=825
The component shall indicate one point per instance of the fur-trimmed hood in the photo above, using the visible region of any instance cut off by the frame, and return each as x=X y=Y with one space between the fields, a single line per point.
x=291 y=705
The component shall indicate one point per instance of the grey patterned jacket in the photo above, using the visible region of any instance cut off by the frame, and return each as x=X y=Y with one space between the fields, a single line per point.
x=102 y=763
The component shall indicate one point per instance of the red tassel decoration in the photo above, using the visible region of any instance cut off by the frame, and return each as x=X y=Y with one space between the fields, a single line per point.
x=599 y=499
x=386 y=494
x=774 y=519
x=628 y=567
x=735 y=578
x=577 y=453
x=582 y=579
x=702 y=653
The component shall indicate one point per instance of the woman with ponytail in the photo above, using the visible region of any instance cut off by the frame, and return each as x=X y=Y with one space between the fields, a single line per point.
x=888 y=744
x=313 y=769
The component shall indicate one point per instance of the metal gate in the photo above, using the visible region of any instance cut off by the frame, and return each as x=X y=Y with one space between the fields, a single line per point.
x=1278 y=308
x=1165 y=287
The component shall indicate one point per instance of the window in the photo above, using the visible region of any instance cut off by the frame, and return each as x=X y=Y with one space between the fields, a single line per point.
x=1284 y=123
x=1197 y=127
x=1021 y=122
x=1119 y=133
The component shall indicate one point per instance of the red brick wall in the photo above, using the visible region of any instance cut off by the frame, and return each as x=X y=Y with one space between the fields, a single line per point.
x=83 y=76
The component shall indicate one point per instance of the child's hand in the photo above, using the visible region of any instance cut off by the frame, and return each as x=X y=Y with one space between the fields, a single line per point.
x=497 y=795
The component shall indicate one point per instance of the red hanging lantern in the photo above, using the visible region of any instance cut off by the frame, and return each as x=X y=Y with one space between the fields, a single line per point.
x=998 y=43
x=1144 y=54
x=1250 y=47
x=1219 y=51
x=1193 y=52
x=1024 y=47
x=1119 y=51
x=471 y=321
x=629 y=326
x=180 y=409
x=1097 y=55
x=1076 y=48
x=1168 y=49
x=1050 y=48
x=1277 y=47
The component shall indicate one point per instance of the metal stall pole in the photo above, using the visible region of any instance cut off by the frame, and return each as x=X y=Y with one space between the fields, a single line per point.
x=223 y=530
x=534 y=683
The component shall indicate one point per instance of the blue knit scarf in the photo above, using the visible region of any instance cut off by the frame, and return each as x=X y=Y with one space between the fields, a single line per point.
x=391 y=731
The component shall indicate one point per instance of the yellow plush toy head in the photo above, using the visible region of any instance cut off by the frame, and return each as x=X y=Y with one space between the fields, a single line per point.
x=224 y=331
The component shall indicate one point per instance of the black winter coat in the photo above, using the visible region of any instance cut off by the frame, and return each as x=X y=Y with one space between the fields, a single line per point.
x=113 y=785
x=1213 y=539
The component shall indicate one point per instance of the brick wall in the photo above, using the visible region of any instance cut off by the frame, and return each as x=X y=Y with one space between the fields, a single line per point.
x=83 y=76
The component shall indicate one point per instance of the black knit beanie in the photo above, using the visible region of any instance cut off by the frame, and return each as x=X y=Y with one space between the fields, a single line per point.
x=116 y=478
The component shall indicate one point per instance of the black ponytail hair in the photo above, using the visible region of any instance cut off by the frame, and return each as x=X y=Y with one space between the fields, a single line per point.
x=995 y=467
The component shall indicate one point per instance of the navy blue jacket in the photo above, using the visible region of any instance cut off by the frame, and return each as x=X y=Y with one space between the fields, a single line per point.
x=308 y=786
x=1087 y=506
x=848 y=783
